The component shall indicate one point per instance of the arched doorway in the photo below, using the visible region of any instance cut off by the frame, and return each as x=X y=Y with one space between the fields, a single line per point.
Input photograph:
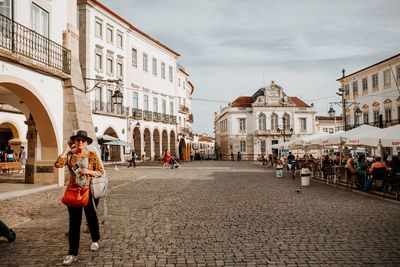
x=156 y=139
x=172 y=143
x=147 y=143
x=182 y=149
x=42 y=136
x=7 y=132
x=137 y=139
x=115 y=151
x=164 y=141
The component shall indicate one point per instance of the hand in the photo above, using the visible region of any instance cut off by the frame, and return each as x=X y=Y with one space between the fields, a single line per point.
x=84 y=171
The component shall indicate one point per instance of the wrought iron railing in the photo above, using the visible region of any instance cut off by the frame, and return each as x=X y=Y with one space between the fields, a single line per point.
x=157 y=116
x=380 y=124
x=172 y=119
x=147 y=115
x=165 y=118
x=137 y=113
x=107 y=107
x=183 y=108
x=24 y=41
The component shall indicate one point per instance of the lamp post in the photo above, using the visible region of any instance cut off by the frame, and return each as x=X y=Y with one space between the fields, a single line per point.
x=284 y=129
x=344 y=103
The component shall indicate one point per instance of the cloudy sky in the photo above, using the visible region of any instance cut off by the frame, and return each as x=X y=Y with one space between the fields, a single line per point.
x=234 y=47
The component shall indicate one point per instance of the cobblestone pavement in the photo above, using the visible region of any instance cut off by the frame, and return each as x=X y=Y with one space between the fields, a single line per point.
x=218 y=214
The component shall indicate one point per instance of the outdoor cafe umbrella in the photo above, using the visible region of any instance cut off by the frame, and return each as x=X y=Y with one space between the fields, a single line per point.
x=314 y=140
x=390 y=136
x=116 y=143
x=368 y=137
x=339 y=138
x=105 y=138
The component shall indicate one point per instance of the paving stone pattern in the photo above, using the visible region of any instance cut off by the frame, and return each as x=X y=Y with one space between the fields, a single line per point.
x=219 y=214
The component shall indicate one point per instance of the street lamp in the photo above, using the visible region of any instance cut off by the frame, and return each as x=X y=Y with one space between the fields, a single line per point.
x=284 y=130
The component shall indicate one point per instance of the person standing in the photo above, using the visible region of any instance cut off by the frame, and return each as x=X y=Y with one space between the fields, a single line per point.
x=9 y=154
x=22 y=158
x=75 y=154
x=166 y=159
x=133 y=160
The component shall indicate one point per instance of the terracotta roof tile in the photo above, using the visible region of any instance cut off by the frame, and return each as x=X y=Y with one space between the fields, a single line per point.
x=242 y=102
x=298 y=102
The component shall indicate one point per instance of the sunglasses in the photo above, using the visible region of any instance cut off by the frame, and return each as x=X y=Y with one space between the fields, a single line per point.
x=80 y=140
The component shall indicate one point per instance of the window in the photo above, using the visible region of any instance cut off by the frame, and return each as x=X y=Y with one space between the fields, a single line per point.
x=99 y=93
x=155 y=104
x=303 y=124
x=274 y=122
x=365 y=117
x=119 y=70
x=109 y=66
x=109 y=34
x=135 y=100
x=286 y=121
x=330 y=130
x=375 y=81
x=119 y=40
x=134 y=58
x=40 y=20
x=346 y=89
x=242 y=124
x=171 y=108
x=98 y=62
x=164 y=107
x=388 y=115
x=145 y=68
x=325 y=130
x=154 y=66
x=386 y=79
x=109 y=95
x=99 y=29
x=262 y=122
x=365 y=85
x=376 y=117
x=5 y=8
x=146 y=102
x=242 y=146
x=179 y=82
x=355 y=88
x=163 y=70
x=170 y=74
x=356 y=119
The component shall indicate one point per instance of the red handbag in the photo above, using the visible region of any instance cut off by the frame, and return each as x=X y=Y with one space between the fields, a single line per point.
x=76 y=196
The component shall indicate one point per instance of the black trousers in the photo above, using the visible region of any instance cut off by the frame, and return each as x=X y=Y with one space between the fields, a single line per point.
x=75 y=220
x=132 y=162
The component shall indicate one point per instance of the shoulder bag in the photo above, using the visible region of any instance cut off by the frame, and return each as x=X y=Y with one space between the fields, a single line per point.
x=76 y=196
x=99 y=186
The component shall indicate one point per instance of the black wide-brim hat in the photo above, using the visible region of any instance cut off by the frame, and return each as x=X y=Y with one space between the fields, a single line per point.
x=81 y=134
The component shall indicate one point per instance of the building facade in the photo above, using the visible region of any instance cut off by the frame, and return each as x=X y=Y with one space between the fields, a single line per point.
x=328 y=124
x=156 y=105
x=375 y=91
x=251 y=124
x=203 y=146
x=39 y=69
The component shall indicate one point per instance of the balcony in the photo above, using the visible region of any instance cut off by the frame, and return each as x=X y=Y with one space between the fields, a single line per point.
x=107 y=108
x=183 y=109
x=190 y=119
x=21 y=40
x=172 y=119
x=165 y=118
x=137 y=114
x=157 y=116
x=147 y=115
x=268 y=132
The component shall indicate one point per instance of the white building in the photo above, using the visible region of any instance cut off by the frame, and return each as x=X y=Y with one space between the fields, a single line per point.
x=376 y=90
x=251 y=124
x=203 y=145
x=38 y=43
x=155 y=87
x=328 y=124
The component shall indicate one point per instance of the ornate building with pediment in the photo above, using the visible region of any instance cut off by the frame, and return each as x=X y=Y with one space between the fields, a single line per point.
x=252 y=124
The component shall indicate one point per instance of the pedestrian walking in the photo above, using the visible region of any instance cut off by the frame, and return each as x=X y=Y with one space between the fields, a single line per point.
x=83 y=165
x=232 y=156
x=9 y=154
x=166 y=159
x=133 y=160
x=239 y=156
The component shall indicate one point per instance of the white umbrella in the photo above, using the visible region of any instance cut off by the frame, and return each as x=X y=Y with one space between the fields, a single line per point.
x=364 y=135
x=116 y=143
x=314 y=140
x=296 y=143
x=390 y=136
x=331 y=139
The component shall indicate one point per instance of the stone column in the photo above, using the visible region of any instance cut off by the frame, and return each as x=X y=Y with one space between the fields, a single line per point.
x=31 y=136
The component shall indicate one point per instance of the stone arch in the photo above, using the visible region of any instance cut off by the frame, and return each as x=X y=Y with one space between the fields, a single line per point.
x=182 y=149
x=115 y=151
x=164 y=140
x=172 y=142
x=147 y=143
x=137 y=141
x=156 y=140
x=41 y=124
